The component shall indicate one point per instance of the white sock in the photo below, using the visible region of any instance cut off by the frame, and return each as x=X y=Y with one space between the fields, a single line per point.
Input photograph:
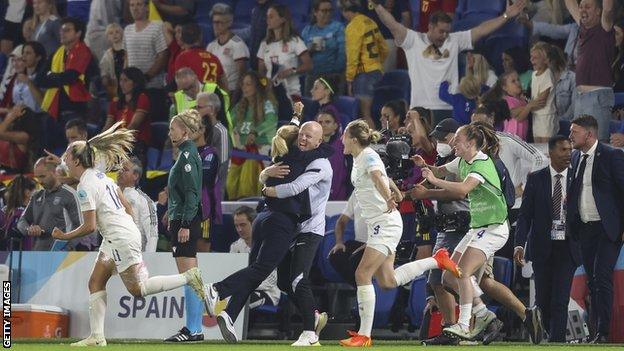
x=97 y=312
x=480 y=310
x=366 y=306
x=475 y=286
x=161 y=283
x=464 y=316
x=407 y=272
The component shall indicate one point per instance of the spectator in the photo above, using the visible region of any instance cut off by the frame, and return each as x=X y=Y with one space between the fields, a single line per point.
x=20 y=135
x=75 y=130
x=211 y=188
x=332 y=132
x=113 y=60
x=282 y=57
x=16 y=195
x=517 y=59
x=267 y=293
x=209 y=106
x=400 y=10
x=206 y=66
x=229 y=48
x=393 y=115
x=549 y=11
x=173 y=38
x=28 y=29
x=258 y=28
x=143 y=208
x=54 y=206
x=12 y=21
x=189 y=85
x=145 y=45
x=325 y=39
x=618 y=63
x=617 y=138
x=465 y=101
x=132 y=107
x=47 y=25
x=101 y=14
x=176 y=11
x=569 y=32
x=67 y=94
x=324 y=93
x=564 y=89
x=432 y=57
x=596 y=54
x=545 y=122
x=366 y=52
x=8 y=79
x=25 y=90
x=478 y=67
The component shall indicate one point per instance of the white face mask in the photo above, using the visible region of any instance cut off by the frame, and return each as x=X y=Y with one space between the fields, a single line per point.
x=444 y=150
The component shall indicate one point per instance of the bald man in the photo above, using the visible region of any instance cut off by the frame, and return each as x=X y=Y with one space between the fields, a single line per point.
x=294 y=270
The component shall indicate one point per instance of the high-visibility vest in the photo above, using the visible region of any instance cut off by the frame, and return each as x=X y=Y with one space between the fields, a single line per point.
x=182 y=101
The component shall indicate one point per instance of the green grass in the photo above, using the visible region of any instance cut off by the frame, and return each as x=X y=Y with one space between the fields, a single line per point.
x=154 y=345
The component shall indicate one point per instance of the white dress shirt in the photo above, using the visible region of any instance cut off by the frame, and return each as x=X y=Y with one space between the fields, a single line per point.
x=587 y=204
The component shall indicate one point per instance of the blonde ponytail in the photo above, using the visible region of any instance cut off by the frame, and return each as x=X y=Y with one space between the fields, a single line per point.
x=360 y=130
x=110 y=148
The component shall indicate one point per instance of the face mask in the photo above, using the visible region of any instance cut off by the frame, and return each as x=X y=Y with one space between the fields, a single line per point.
x=444 y=150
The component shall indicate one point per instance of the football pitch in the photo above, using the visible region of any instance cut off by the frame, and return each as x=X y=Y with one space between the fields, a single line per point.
x=153 y=345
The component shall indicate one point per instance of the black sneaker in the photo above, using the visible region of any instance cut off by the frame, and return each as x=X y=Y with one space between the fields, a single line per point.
x=184 y=335
x=492 y=332
x=533 y=324
x=441 y=340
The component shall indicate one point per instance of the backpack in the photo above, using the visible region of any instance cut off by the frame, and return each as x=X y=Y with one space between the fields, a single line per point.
x=507 y=186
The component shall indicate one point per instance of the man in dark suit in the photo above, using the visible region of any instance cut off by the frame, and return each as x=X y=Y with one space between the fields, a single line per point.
x=541 y=225
x=595 y=214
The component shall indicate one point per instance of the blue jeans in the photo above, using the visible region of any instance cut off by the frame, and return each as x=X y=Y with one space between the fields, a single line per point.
x=596 y=103
x=364 y=84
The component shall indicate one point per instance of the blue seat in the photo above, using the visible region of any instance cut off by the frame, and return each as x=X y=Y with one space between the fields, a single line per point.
x=242 y=10
x=470 y=21
x=564 y=127
x=619 y=100
x=479 y=6
x=417 y=300
x=415 y=12
x=223 y=235
x=92 y=130
x=398 y=78
x=153 y=158
x=311 y=108
x=614 y=126
x=502 y=270
x=348 y=105
x=166 y=160
x=160 y=134
x=384 y=300
x=327 y=271
x=330 y=222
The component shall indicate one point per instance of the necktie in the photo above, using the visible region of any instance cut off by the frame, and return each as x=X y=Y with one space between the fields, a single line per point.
x=556 y=198
x=581 y=169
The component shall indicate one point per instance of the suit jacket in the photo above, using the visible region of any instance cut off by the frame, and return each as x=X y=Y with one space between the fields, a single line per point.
x=535 y=218
x=608 y=190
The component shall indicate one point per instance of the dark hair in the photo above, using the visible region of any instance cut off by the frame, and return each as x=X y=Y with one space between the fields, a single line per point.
x=316 y=4
x=288 y=28
x=138 y=79
x=256 y=103
x=77 y=123
x=586 y=121
x=496 y=92
x=498 y=110
x=521 y=58
x=329 y=84
x=39 y=51
x=557 y=61
x=208 y=130
x=439 y=16
x=555 y=139
x=247 y=211
x=79 y=26
x=351 y=5
x=191 y=34
x=484 y=136
x=399 y=107
x=424 y=113
x=15 y=193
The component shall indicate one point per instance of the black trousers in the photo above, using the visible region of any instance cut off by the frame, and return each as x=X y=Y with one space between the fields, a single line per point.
x=345 y=263
x=553 y=281
x=293 y=272
x=272 y=236
x=599 y=256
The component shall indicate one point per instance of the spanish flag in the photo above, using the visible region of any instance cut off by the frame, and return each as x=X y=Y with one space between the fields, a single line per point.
x=153 y=14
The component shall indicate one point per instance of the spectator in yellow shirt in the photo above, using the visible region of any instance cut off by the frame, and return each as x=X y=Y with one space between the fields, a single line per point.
x=366 y=52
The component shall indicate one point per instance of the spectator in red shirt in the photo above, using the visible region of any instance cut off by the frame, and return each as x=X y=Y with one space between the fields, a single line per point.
x=173 y=38
x=132 y=106
x=206 y=66
x=427 y=7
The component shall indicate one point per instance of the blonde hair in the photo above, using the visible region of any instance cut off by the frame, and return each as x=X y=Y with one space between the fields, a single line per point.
x=542 y=47
x=470 y=87
x=190 y=120
x=112 y=26
x=480 y=69
x=285 y=136
x=53 y=11
x=110 y=148
x=360 y=130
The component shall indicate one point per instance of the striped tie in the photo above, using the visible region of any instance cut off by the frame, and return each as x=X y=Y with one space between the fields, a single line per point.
x=556 y=198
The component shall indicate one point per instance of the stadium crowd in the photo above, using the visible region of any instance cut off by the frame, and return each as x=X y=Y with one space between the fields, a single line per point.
x=539 y=78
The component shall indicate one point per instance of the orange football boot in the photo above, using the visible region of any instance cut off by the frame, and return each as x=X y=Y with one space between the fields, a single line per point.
x=444 y=262
x=356 y=340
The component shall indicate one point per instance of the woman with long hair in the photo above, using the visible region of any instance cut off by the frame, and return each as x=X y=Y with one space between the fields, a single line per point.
x=565 y=83
x=20 y=139
x=16 y=196
x=105 y=208
x=47 y=25
x=477 y=66
x=332 y=131
x=385 y=228
x=517 y=59
x=393 y=115
x=29 y=69
x=545 y=121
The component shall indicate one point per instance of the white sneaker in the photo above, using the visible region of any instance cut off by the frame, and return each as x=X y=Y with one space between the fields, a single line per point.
x=90 y=341
x=211 y=297
x=456 y=330
x=194 y=280
x=307 y=338
x=481 y=323
x=320 y=321
x=226 y=326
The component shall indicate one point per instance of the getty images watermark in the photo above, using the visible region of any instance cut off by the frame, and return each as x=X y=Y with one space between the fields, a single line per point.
x=6 y=314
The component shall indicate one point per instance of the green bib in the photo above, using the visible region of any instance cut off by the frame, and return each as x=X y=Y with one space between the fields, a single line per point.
x=486 y=201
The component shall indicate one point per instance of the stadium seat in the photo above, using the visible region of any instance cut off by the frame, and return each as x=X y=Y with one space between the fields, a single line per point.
x=242 y=10
x=310 y=109
x=564 y=127
x=619 y=100
x=166 y=160
x=614 y=126
x=502 y=270
x=330 y=222
x=417 y=300
x=398 y=78
x=223 y=235
x=479 y=6
x=153 y=158
x=348 y=105
x=384 y=300
x=92 y=130
x=470 y=21
x=160 y=134
x=415 y=12
x=327 y=271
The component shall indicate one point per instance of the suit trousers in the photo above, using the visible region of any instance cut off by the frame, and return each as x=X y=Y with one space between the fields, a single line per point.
x=599 y=256
x=553 y=281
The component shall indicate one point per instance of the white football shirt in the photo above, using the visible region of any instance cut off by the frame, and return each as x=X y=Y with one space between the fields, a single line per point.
x=370 y=200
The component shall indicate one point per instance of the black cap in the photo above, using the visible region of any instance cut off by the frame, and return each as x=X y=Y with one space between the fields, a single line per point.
x=445 y=126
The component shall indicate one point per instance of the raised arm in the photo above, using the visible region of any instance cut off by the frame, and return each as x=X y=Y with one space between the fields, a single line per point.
x=607 y=15
x=398 y=30
x=488 y=27
x=573 y=9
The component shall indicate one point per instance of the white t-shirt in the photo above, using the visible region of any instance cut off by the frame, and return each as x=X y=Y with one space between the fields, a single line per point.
x=426 y=74
x=234 y=49
x=367 y=195
x=354 y=212
x=269 y=285
x=539 y=84
x=142 y=47
x=286 y=55
x=98 y=192
x=144 y=212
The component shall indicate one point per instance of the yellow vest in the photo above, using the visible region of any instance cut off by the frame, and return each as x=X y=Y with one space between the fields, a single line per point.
x=183 y=103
